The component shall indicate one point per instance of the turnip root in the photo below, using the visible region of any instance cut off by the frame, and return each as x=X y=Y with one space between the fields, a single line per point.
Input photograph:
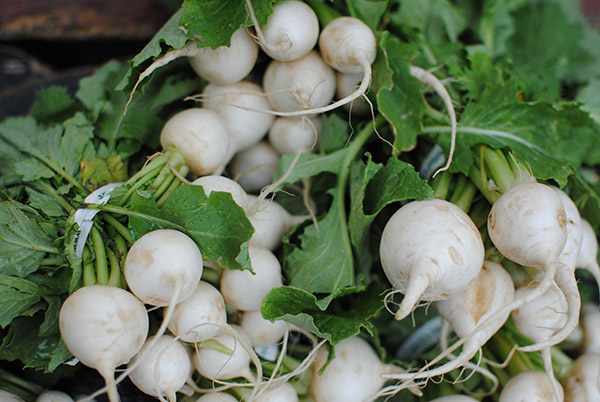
x=454 y=398
x=245 y=290
x=590 y=323
x=201 y=136
x=50 y=396
x=346 y=84
x=529 y=386
x=226 y=65
x=103 y=327
x=353 y=375
x=6 y=396
x=164 y=367
x=225 y=365
x=588 y=252
x=430 y=261
x=283 y=392
x=565 y=273
x=200 y=316
x=540 y=318
x=161 y=263
x=528 y=225
x=291 y=31
x=271 y=222
x=582 y=384
x=254 y=168
x=217 y=397
x=294 y=135
x=235 y=104
x=487 y=293
x=304 y=84
x=212 y=183
x=262 y=332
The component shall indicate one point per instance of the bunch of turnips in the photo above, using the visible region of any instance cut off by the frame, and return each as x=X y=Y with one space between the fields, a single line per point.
x=318 y=201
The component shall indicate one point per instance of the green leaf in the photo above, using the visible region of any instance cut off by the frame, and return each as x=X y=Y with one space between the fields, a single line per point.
x=217 y=224
x=334 y=133
x=399 y=97
x=17 y=297
x=23 y=243
x=213 y=22
x=52 y=104
x=170 y=34
x=373 y=187
x=22 y=342
x=333 y=323
x=369 y=11
x=31 y=169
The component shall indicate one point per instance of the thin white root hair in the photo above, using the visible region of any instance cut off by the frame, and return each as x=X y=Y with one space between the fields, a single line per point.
x=431 y=80
x=547 y=360
x=261 y=38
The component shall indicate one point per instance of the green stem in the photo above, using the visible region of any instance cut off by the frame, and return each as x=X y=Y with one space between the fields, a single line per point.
x=115 y=269
x=464 y=194
x=118 y=226
x=183 y=171
x=155 y=163
x=45 y=186
x=441 y=185
x=325 y=14
x=146 y=178
x=100 y=254
x=164 y=185
x=89 y=276
x=70 y=179
x=499 y=168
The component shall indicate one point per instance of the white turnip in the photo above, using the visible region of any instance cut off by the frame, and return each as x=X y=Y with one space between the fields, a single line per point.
x=260 y=331
x=529 y=386
x=582 y=383
x=200 y=135
x=103 y=327
x=200 y=316
x=430 y=250
x=217 y=397
x=294 y=135
x=304 y=84
x=164 y=367
x=254 y=168
x=271 y=222
x=51 y=396
x=235 y=104
x=224 y=184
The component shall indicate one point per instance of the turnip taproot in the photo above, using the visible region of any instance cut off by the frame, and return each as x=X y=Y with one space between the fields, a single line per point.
x=430 y=250
x=103 y=327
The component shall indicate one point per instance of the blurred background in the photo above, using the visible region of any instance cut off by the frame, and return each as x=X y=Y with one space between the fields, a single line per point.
x=45 y=42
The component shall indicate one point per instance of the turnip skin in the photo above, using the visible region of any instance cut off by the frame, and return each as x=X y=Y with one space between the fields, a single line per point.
x=582 y=384
x=104 y=327
x=353 y=375
x=217 y=397
x=303 y=84
x=200 y=316
x=260 y=331
x=201 y=136
x=271 y=222
x=294 y=135
x=164 y=368
x=454 y=398
x=245 y=290
x=291 y=31
x=236 y=104
x=254 y=168
x=528 y=386
x=430 y=262
x=346 y=84
x=6 y=396
x=527 y=224
x=160 y=263
x=283 y=392
x=590 y=323
x=226 y=65
x=50 y=396
x=217 y=365
x=587 y=258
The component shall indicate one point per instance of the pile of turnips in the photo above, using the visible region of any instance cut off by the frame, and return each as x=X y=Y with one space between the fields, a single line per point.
x=211 y=341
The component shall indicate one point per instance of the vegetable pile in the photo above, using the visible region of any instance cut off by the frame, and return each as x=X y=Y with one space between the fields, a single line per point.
x=319 y=201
